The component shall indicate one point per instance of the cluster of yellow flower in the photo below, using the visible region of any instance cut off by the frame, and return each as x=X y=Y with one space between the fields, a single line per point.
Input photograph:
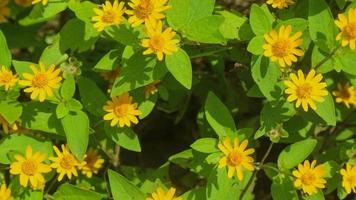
x=160 y=40
x=160 y=194
x=31 y=167
x=283 y=47
x=308 y=176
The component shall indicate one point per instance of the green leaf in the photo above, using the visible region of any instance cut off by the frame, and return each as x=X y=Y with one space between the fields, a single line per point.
x=61 y=110
x=259 y=20
x=5 y=54
x=180 y=67
x=206 y=30
x=266 y=75
x=70 y=192
x=74 y=105
x=326 y=110
x=205 y=145
x=183 y=12
x=122 y=188
x=18 y=143
x=109 y=61
x=92 y=96
x=68 y=88
x=125 y=34
x=321 y=25
x=76 y=128
x=219 y=185
x=345 y=57
x=218 y=116
x=83 y=10
x=316 y=196
x=22 y=67
x=282 y=188
x=11 y=110
x=139 y=70
x=42 y=13
x=125 y=137
x=296 y=153
x=232 y=25
x=255 y=45
x=52 y=55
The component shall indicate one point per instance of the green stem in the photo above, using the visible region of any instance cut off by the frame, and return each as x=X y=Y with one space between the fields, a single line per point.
x=327 y=57
x=250 y=181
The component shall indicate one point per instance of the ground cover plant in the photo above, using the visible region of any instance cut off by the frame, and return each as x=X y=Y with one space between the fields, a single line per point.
x=177 y=99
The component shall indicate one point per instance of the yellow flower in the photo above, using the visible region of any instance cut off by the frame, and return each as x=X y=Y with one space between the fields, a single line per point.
x=236 y=157
x=44 y=2
x=110 y=14
x=282 y=47
x=5 y=193
x=349 y=178
x=347 y=26
x=65 y=163
x=151 y=89
x=144 y=11
x=92 y=163
x=160 y=194
x=24 y=3
x=306 y=90
x=309 y=177
x=41 y=83
x=4 y=10
x=6 y=126
x=345 y=94
x=122 y=111
x=7 y=78
x=280 y=4
x=30 y=168
x=160 y=41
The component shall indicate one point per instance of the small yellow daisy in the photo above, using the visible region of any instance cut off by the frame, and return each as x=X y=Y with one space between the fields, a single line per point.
x=44 y=2
x=42 y=82
x=65 y=163
x=309 y=177
x=143 y=11
x=5 y=193
x=108 y=15
x=280 y=4
x=347 y=26
x=4 y=10
x=349 y=178
x=23 y=3
x=236 y=157
x=151 y=89
x=30 y=168
x=345 y=94
x=306 y=90
x=7 y=78
x=121 y=111
x=6 y=126
x=160 y=194
x=281 y=47
x=160 y=42
x=92 y=163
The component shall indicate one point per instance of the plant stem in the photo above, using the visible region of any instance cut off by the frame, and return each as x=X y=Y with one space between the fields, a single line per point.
x=250 y=181
x=327 y=57
x=208 y=53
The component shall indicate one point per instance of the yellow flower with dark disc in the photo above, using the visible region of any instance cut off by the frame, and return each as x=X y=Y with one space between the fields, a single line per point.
x=347 y=26
x=349 y=178
x=236 y=157
x=4 y=10
x=92 y=163
x=282 y=47
x=309 y=177
x=65 y=163
x=345 y=94
x=160 y=42
x=280 y=4
x=161 y=194
x=41 y=82
x=108 y=15
x=7 y=78
x=306 y=89
x=30 y=168
x=122 y=111
x=5 y=193
x=143 y=11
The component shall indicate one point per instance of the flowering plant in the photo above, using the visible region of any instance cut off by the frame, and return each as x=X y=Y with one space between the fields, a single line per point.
x=177 y=99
